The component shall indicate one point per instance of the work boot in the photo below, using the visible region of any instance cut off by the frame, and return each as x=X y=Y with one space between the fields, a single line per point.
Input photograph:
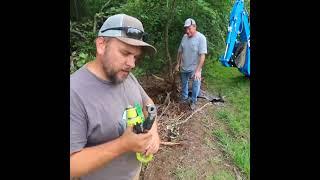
x=192 y=105
x=182 y=101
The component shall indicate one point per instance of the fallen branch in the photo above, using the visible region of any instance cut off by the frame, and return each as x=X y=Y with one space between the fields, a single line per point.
x=179 y=117
x=193 y=114
x=164 y=111
x=205 y=125
x=167 y=98
x=163 y=79
x=159 y=78
x=169 y=143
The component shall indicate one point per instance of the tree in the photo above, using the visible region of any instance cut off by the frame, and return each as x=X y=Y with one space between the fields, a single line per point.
x=163 y=21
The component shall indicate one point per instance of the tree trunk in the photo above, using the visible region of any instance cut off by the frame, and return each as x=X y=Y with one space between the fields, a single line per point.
x=171 y=12
x=76 y=9
x=166 y=40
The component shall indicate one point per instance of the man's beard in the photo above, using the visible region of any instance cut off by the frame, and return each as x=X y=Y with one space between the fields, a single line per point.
x=112 y=76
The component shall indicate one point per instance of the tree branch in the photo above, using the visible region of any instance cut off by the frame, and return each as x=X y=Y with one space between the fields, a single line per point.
x=164 y=110
x=193 y=114
x=159 y=78
x=169 y=143
x=77 y=32
x=98 y=14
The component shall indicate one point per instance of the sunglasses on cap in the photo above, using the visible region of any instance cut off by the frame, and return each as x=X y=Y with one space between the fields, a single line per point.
x=131 y=32
x=189 y=25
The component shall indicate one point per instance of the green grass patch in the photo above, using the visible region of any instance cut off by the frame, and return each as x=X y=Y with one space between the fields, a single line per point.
x=185 y=173
x=232 y=84
x=213 y=161
x=222 y=175
x=237 y=149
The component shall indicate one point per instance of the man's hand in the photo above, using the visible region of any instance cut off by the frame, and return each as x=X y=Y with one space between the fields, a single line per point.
x=92 y=158
x=197 y=75
x=135 y=142
x=155 y=143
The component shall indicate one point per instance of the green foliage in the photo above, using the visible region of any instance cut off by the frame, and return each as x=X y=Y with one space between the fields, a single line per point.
x=138 y=72
x=211 y=18
x=82 y=10
x=79 y=60
x=81 y=44
x=78 y=9
x=154 y=24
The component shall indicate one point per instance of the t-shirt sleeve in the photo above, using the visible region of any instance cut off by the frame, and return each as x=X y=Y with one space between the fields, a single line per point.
x=143 y=93
x=203 y=45
x=78 y=123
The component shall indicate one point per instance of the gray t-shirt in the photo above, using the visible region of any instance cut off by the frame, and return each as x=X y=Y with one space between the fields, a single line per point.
x=96 y=116
x=191 y=48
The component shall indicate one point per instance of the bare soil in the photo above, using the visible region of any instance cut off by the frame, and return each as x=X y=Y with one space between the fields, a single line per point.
x=198 y=156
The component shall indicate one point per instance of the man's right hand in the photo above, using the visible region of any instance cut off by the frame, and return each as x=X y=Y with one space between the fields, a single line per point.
x=92 y=158
x=135 y=142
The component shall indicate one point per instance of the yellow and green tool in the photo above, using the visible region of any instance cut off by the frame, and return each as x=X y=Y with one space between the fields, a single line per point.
x=136 y=119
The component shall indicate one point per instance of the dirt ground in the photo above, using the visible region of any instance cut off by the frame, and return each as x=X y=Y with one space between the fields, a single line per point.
x=198 y=156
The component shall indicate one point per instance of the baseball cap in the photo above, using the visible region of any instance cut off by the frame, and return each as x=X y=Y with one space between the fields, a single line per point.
x=189 y=22
x=127 y=29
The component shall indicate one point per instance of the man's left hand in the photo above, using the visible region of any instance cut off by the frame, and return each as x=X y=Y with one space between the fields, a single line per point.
x=197 y=75
x=154 y=146
x=155 y=143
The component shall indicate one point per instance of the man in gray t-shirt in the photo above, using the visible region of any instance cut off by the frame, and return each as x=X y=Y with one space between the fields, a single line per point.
x=102 y=146
x=190 y=59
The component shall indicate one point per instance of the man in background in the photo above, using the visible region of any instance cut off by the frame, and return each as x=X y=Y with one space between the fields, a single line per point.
x=190 y=59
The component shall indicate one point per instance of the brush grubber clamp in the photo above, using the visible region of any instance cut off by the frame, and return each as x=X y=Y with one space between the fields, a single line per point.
x=136 y=119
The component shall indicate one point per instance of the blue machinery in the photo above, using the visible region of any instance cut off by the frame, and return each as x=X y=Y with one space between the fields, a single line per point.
x=237 y=53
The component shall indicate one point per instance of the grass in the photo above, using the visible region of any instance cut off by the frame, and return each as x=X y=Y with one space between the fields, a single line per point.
x=185 y=173
x=213 y=161
x=238 y=149
x=222 y=175
x=235 y=115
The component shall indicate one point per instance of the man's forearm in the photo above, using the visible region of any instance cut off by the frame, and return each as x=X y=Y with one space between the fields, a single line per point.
x=201 y=62
x=93 y=158
x=179 y=58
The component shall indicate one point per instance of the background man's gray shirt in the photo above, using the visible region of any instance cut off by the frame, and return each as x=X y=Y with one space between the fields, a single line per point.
x=191 y=48
x=96 y=116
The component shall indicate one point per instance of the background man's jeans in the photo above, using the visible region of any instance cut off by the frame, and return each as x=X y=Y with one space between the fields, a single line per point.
x=185 y=76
